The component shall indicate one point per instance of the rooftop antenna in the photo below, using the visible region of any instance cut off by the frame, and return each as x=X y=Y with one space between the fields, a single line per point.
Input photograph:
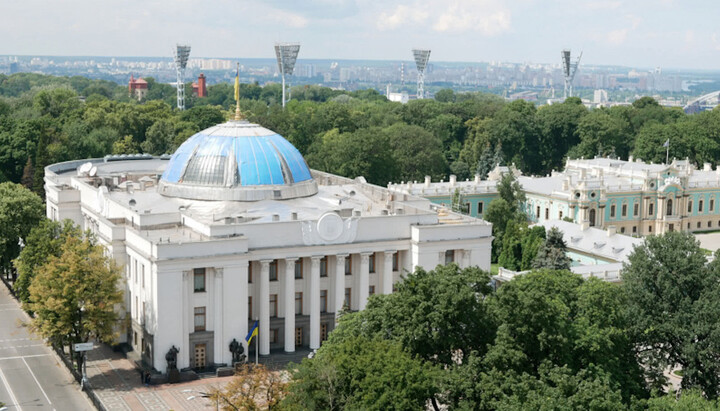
x=286 y=54
x=182 y=52
x=421 y=59
x=569 y=70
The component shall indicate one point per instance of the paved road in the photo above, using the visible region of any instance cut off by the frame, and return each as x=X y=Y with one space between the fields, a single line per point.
x=30 y=376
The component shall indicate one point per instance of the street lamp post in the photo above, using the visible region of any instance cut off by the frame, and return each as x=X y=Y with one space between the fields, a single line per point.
x=83 y=369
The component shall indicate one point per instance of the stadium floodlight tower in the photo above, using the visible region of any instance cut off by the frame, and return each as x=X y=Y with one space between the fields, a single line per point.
x=569 y=70
x=421 y=59
x=182 y=52
x=286 y=54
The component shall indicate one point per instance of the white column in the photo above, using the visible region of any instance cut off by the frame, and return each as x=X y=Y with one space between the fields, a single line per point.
x=441 y=258
x=339 y=283
x=364 y=280
x=235 y=301
x=218 y=321
x=315 y=303
x=388 y=272
x=290 y=304
x=465 y=259
x=264 y=298
x=183 y=359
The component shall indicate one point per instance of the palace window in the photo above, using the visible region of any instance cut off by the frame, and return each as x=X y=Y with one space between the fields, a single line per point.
x=298 y=303
x=690 y=206
x=669 y=210
x=449 y=256
x=348 y=298
x=396 y=261
x=547 y=213
x=250 y=264
x=700 y=206
x=348 y=265
x=371 y=291
x=273 y=270
x=480 y=207
x=712 y=205
x=323 y=301
x=612 y=211
x=198 y=280
x=537 y=212
x=323 y=267
x=624 y=210
x=273 y=305
x=199 y=319
x=651 y=209
x=299 y=269
x=636 y=209
x=371 y=263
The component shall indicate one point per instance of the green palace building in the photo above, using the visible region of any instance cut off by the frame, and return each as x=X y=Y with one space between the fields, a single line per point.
x=636 y=198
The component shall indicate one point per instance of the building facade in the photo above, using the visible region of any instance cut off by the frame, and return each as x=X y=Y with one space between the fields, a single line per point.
x=235 y=228
x=635 y=197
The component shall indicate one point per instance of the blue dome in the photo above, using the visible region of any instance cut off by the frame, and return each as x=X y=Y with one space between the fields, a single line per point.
x=218 y=163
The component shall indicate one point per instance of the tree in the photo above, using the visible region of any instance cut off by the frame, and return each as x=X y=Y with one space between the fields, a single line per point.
x=416 y=152
x=362 y=373
x=505 y=208
x=74 y=295
x=602 y=134
x=553 y=253
x=125 y=145
x=673 y=306
x=558 y=125
x=254 y=387
x=44 y=241
x=27 y=177
x=20 y=211
x=159 y=138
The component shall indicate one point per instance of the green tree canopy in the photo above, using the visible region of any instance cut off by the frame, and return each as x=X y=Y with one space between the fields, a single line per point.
x=20 y=211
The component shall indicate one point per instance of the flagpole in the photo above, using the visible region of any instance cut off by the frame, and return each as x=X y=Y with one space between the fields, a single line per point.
x=257 y=337
x=667 y=154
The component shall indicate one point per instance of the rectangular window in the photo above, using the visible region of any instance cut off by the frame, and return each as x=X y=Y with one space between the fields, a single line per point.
x=250 y=316
x=449 y=256
x=142 y=270
x=547 y=213
x=199 y=280
x=480 y=207
x=622 y=230
x=199 y=319
x=371 y=291
x=371 y=263
x=709 y=224
x=250 y=264
x=698 y=224
x=298 y=303
x=348 y=298
x=323 y=267
x=298 y=336
x=273 y=270
x=348 y=265
x=636 y=209
x=273 y=336
x=651 y=209
x=700 y=206
x=323 y=301
x=299 y=269
x=273 y=305
x=142 y=319
x=612 y=211
x=689 y=206
x=537 y=212
x=634 y=229
x=624 y=210
x=712 y=205
x=649 y=229
x=396 y=261
x=560 y=215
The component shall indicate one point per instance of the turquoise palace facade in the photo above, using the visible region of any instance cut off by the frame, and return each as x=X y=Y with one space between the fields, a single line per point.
x=636 y=198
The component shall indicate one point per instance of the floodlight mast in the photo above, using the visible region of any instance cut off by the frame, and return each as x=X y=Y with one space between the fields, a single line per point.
x=286 y=54
x=182 y=52
x=421 y=59
x=569 y=70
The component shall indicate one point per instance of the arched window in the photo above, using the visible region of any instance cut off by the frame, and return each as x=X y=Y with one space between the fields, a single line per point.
x=592 y=217
x=669 y=207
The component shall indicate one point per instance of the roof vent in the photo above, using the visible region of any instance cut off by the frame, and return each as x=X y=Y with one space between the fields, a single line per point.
x=276 y=217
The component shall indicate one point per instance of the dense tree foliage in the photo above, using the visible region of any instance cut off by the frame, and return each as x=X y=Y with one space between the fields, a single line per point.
x=674 y=310
x=553 y=253
x=20 y=211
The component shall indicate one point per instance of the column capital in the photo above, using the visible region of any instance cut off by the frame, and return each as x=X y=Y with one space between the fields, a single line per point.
x=389 y=254
x=342 y=256
x=265 y=262
x=291 y=259
x=186 y=275
x=219 y=272
x=365 y=258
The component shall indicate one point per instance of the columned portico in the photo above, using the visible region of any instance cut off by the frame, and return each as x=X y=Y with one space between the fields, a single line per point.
x=290 y=304
x=315 y=302
x=388 y=272
x=264 y=298
x=364 y=282
x=339 y=283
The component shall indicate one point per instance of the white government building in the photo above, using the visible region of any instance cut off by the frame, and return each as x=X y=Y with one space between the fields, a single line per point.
x=235 y=227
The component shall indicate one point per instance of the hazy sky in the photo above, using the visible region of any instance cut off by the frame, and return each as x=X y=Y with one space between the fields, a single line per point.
x=646 y=33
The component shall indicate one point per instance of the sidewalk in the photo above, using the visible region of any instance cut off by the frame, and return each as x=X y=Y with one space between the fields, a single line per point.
x=116 y=382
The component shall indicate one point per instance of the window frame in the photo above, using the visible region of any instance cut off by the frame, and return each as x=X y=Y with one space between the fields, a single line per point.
x=199 y=273
x=200 y=313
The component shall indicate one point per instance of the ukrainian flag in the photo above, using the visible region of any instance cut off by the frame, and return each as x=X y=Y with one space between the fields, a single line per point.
x=253 y=333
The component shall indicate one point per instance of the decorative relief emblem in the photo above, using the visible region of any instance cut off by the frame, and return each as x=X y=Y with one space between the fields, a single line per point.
x=330 y=228
x=672 y=180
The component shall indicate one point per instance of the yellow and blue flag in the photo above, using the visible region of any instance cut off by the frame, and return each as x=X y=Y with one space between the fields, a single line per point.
x=253 y=333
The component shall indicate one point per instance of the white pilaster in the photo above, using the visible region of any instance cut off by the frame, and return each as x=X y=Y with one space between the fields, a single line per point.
x=290 y=304
x=465 y=259
x=218 y=323
x=183 y=357
x=388 y=272
x=235 y=300
x=264 y=298
x=315 y=303
x=339 y=283
x=364 y=280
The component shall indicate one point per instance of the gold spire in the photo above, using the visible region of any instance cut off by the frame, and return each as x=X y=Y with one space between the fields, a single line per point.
x=238 y=114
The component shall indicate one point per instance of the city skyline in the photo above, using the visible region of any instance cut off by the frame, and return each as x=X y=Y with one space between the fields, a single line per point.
x=640 y=33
